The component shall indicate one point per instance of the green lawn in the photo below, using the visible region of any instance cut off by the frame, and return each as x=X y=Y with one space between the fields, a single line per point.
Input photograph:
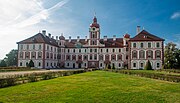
x=94 y=87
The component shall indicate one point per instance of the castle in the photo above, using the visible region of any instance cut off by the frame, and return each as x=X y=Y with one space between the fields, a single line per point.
x=92 y=52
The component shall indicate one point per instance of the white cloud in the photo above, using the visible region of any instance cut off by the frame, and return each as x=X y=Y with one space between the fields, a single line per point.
x=175 y=15
x=17 y=18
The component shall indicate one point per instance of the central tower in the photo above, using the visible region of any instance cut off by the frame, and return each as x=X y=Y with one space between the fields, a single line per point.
x=94 y=32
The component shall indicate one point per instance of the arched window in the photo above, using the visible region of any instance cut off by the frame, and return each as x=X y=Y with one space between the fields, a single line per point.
x=100 y=57
x=149 y=54
x=158 y=54
x=107 y=57
x=113 y=57
x=134 y=54
x=141 y=54
x=119 y=57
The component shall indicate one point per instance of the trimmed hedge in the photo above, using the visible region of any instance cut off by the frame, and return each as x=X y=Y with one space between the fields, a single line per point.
x=34 y=77
x=160 y=76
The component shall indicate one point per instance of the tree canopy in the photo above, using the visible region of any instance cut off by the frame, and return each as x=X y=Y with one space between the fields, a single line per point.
x=172 y=56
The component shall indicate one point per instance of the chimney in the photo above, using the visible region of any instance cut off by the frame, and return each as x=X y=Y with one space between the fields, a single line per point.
x=44 y=32
x=85 y=38
x=114 y=37
x=69 y=38
x=49 y=34
x=105 y=38
x=138 y=29
x=77 y=38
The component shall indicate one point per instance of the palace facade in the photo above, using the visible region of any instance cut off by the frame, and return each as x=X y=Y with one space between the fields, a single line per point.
x=93 y=51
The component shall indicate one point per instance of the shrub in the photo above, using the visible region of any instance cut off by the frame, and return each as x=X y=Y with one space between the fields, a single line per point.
x=148 y=66
x=32 y=78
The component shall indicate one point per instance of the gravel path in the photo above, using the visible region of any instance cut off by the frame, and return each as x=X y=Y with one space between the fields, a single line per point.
x=7 y=74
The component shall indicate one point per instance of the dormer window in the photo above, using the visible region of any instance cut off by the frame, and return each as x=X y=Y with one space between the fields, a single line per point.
x=145 y=36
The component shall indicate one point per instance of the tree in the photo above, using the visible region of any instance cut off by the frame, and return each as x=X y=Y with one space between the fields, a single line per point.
x=3 y=63
x=31 y=63
x=148 y=66
x=172 y=56
x=11 y=58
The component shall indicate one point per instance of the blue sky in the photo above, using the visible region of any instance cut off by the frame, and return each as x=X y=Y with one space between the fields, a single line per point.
x=73 y=17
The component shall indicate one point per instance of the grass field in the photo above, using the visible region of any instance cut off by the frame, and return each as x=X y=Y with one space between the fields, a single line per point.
x=94 y=87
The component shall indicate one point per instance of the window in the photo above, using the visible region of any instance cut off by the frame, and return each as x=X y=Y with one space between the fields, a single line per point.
x=134 y=45
x=100 y=57
x=68 y=57
x=158 y=54
x=141 y=65
x=68 y=50
x=21 y=47
x=47 y=54
x=67 y=64
x=134 y=65
x=20 y=63
x=55 y=49
x=51 y=55
x=107 y=50
x=27 y=47
x=157 y=45
x=149 y=54
x=119 y=57
x=79 y=57
x=141 y=45
x=95 y=50
x=134 y=54
x=113 y=50
x=85 y=64
x=149 y=45
x=39 y=47
x=90 y=57
x=119 y=50
x=74 y=50
x=51 y=48
x=21 y=54
x=107 y=57
x=74 y=57
x=113 y=57
x=27 y=54
x=93 y=43
x=54 y=56
x=158 y=65
x=95 y=57
x=39 y=64
x=47 y=64
x=101 y=65
x=127 y=49
x=141 y=54
x=90 y=50
x=119 y=64
x=85 y=57
x=34 y=47
x=33 y=54
x=101 y=50
x=85 y=50
x=39 y=54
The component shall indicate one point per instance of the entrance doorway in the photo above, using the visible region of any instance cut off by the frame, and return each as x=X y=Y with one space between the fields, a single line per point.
x=79 y=65
x=73 y=65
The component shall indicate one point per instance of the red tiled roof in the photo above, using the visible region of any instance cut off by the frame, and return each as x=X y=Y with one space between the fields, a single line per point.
x=126 y=36
x=146 y=36
x=39 y=38
x=111 y=43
